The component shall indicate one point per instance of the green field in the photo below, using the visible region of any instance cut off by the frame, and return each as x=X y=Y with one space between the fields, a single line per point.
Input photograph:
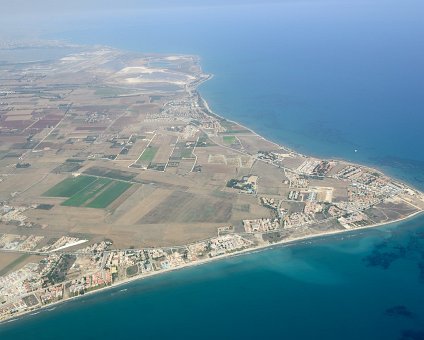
x=229 y=140
x=82 y=196
x=110 y=194
x=110 y=173
x=69 y=186
x=88 y=191
x=148 y=154
x=187 y=153
x=110 y=91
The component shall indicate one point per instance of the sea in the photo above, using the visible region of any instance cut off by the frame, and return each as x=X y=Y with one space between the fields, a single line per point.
x=336 y=79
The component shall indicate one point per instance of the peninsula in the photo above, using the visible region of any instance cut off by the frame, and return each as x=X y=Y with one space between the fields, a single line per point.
x=113 y=168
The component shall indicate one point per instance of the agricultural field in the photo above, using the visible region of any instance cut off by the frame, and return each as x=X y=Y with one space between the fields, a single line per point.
x=183 y=151
x=228 y=140
x=109 y=195
x=88 y=191
x=232 y=127
x=133 y=151
x=148 y=154
x=184 y=207
x=110 y=173
x=69 y=186
x=187 y=153
x=165 y=144
x=110 y=91
x=204 y=141
x=154 y=161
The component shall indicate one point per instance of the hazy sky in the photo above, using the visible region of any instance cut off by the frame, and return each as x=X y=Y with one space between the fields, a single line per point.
x=27 y=19
x=40 y=7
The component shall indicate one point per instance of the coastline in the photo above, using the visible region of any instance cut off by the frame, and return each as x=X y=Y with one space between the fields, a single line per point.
x=282 y=243
x=260 y=248
x=349 y=162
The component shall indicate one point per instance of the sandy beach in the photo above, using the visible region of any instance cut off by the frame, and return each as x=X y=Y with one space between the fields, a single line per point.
x=283 y=243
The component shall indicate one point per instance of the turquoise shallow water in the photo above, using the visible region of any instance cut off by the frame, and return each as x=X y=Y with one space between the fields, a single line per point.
x=325 y=77
x=357 y=286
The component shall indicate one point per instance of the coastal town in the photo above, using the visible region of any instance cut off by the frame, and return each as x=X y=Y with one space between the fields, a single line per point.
x=114 y=168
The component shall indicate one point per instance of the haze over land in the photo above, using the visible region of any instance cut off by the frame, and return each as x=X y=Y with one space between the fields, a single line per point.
x=149 y=156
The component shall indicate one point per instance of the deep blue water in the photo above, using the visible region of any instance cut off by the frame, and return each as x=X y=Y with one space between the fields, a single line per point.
x=326 y=78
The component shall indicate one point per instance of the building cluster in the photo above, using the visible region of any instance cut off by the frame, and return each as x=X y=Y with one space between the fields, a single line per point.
x=15 y=287
x=34 y=284
x=89 y=282
x=96 y=247
x=47 y=265
x=311 y=195
x=334 y=211
x=186 y=109
x=373 y=181
x=261 y=225
x=267 y=156
x=297 y=181
x=16 y=306
x=315 y=167
x=367 y=187
x=189 y=131
x=14 y=215
x=361 y=197
x=322 y=168
x=227 y=244
x=15 y=283
x=297 y=219
x=122 y=141
x=173 y=260
x=275 y=157
x=197 y=251
x=51 y=294
x=274 y=205
x=308 y=166
x=212 y=126
x=353 y=220
x=350 y=172
x=225 y=230
x=19 y=242
x=270 y=203
x=312 y=208
x=294 y=195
